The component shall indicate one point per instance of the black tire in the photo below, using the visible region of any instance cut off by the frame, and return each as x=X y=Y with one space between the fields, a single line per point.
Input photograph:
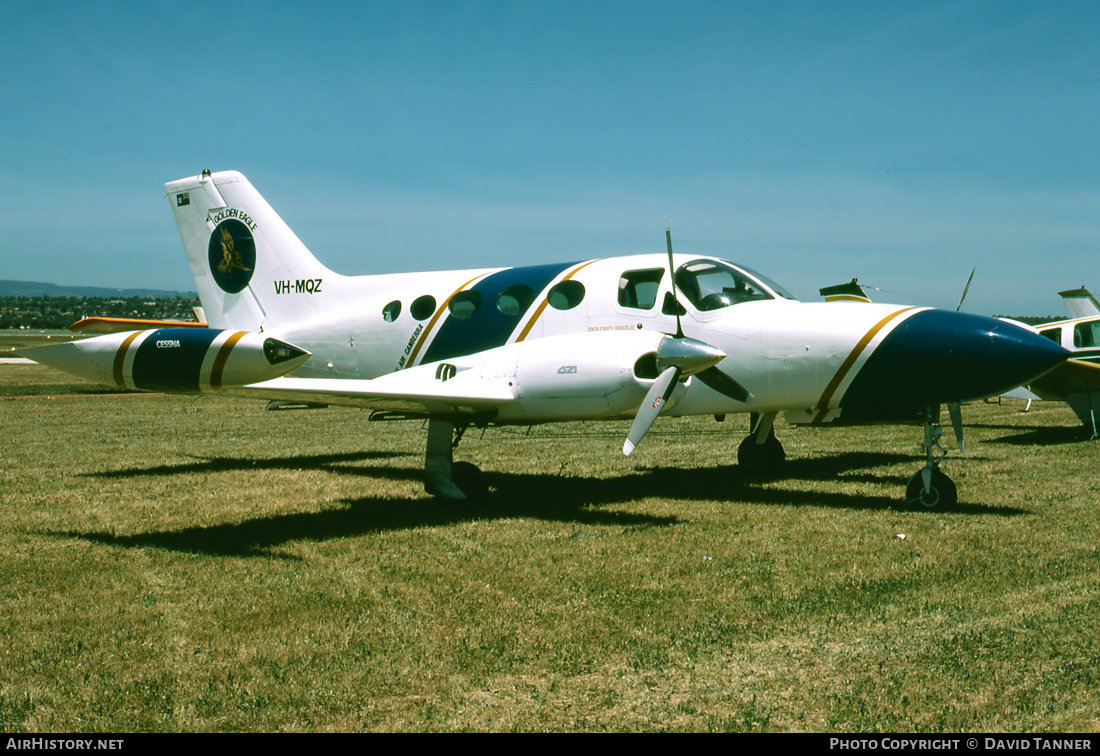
x=761 y=461
x=471 y=481
x=941 y=495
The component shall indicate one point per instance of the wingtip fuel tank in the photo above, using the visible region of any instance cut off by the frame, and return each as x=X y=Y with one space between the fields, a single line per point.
x=174 y=360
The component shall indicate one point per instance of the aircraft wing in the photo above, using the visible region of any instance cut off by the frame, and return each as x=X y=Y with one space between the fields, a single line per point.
x=1071 y=377
x=396 y=392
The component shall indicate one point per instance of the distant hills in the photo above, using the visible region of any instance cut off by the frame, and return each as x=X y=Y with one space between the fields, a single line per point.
x=40 y=289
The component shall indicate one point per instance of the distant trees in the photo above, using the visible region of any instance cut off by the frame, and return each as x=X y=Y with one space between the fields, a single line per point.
x=61 y=312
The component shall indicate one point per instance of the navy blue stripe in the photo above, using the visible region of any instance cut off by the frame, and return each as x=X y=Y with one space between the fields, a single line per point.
x=170 y=359
x=942 y=356
x=489 y=327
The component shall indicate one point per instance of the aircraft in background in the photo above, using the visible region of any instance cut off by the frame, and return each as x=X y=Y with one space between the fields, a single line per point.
x=629 y=337
x=853 y=291
x=846 y=292
x=1080 y=303
x=1077 y=381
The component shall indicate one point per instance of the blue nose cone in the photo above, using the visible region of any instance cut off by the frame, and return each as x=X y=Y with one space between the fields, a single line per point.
x=939 y=357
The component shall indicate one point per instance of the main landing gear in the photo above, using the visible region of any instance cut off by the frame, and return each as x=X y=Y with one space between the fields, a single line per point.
x=443 y=477
x=929 y=488
x=760 y=456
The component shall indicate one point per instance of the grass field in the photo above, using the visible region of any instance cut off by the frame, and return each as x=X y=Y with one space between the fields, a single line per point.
x=178 y=563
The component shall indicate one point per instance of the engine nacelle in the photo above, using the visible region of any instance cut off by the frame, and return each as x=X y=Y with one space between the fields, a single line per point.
x=582 y=376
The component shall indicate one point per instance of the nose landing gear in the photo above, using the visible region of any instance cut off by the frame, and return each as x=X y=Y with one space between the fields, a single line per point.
x=929 y=487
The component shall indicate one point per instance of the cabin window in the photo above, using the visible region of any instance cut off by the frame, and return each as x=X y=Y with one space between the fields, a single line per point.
x=710 y=285
x=515 y=300
x=1054 y=334
x=391 y=311
x=638 y=288
x=565 y=295
x=422 y=307
x=1086 y=335
x=464 y=304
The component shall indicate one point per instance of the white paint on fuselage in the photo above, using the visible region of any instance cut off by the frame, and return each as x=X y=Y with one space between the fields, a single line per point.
x=808 y=342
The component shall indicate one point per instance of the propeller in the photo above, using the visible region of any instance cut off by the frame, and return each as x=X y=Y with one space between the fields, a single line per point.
x=655 y=401
x=725 y=384
x=681 y=357
x=955 y=411
x=672 y=279
x=712 y=376
x=966 y=288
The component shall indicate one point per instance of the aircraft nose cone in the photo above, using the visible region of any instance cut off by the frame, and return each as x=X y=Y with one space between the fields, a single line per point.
x=942 y=356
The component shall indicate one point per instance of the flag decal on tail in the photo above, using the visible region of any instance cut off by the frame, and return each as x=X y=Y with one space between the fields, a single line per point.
x=232 y=255
x=183 y=198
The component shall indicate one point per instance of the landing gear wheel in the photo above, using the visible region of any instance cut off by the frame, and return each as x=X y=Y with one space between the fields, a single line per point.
x=471 y=481
x=761 y=461
x=941 y=495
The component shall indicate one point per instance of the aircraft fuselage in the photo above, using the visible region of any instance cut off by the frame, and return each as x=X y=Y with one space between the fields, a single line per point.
x=802 y=358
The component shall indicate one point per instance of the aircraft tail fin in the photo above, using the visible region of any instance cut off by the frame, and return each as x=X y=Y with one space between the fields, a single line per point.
x=1080 y=303
x=252 y=272
x=847 y=292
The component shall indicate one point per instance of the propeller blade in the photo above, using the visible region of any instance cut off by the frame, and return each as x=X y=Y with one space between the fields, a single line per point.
x=672 y=279
x=955 y=411
x=966 y=288
x=725 y=384
x=654 y=402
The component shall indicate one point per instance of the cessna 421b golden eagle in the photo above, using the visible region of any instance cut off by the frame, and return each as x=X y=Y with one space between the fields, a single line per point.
x=584 y=340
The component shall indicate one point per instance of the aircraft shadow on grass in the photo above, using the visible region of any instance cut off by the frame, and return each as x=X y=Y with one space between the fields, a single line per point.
x=225 y=464
x=1047 y=436
x=552 y=498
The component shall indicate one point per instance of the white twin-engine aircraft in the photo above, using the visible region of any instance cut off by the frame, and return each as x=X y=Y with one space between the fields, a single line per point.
x=584 y=340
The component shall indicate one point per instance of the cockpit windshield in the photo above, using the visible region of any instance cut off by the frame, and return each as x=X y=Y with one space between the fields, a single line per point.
x=712 y=285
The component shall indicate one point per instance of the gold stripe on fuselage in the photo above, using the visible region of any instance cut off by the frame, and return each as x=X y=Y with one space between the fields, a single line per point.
x=542 y=305
x=120 y=359
x=834 y=384
x=223 y=355
x=435 y=318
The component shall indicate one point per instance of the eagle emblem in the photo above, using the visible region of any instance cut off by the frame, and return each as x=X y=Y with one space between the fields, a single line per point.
x=232 y=255
x=231 y=259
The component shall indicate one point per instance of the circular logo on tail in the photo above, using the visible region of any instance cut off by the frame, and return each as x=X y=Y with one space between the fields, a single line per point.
x=232 y=255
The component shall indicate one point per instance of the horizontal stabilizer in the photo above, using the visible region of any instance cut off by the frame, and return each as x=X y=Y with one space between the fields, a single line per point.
x=118 y=325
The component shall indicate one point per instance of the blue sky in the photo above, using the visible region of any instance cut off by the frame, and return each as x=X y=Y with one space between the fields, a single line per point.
x=903 y=143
